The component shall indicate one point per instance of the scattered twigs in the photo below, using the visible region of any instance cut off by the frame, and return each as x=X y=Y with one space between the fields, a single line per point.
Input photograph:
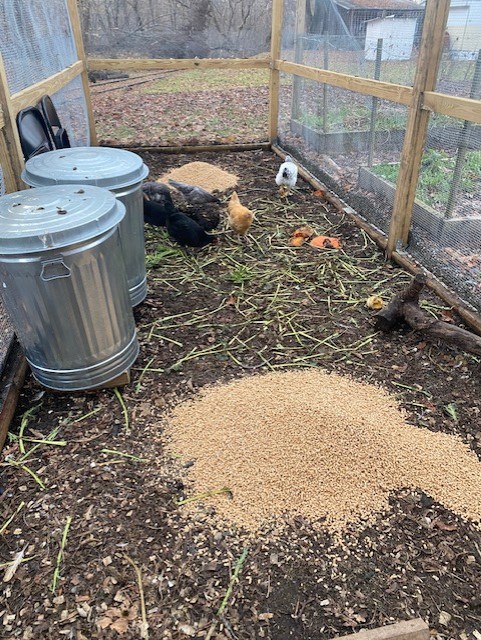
x=225 y=601
x=5 y=525
x=144 y=625
x=405 y=307
x=63 y=543
x=125 y=455
x=125 y=412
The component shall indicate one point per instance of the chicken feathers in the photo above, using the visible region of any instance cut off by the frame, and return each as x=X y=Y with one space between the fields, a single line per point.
x=186 y=231
x=193 y=194
x=156 y=213
x=157 y=192
x=239 y=217
x=286 y=176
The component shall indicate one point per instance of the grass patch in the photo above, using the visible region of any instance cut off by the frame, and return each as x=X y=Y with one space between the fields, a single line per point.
x=354 y=118
x=194 y=80
x=436 y=173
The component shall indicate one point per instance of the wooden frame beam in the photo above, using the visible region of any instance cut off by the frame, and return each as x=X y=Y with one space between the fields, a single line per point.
x=384 y=90
x=462 y=108
x=415 y=629
x=9 y=177
x=274 y=75
x=72 y=8
x=158 y=64
x=430 y=53
x=31 y=95
x=11 y=155
x=297 y=81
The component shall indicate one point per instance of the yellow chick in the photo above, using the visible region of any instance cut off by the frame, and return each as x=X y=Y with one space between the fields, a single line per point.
x=239 y=217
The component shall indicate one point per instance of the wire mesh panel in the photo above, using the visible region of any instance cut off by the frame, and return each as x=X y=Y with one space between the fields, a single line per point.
x=71 y=106
x=2 y=182
x=327 y=36
x=171 y=29
x=36 y=40
x=446 y=231
x=343 y=136
x=461 y=47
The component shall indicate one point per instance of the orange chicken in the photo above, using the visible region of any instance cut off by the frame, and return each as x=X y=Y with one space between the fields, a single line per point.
x=239 y=217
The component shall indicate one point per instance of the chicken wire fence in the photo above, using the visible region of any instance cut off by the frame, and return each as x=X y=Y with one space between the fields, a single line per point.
x=184 y=107
x=37 y=42
x=172 y=29
x=353 y=142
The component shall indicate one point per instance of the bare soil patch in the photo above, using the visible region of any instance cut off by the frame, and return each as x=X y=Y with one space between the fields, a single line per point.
x=213 y=316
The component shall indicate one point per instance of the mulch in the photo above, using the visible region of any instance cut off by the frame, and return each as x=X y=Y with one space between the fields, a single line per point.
x=95 y=513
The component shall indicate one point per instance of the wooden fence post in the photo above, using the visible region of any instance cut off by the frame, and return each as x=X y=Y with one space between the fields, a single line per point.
x=430 y=53
x=11 y=156
x=77 y=34
x=297 y=82
x=276 y=40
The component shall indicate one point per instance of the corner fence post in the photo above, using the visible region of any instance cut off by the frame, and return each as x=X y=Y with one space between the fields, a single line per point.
x=430 y=53
x=73 y=11
x=276 y=40
x=11 y=156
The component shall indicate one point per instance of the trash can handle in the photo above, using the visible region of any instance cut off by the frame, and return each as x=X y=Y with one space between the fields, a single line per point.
x=54 y=269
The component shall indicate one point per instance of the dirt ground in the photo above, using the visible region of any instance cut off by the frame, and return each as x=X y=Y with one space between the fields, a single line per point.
x=105 y=546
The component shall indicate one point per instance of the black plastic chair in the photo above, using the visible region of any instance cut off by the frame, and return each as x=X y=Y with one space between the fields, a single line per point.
x=33 y=131
x=58 y=134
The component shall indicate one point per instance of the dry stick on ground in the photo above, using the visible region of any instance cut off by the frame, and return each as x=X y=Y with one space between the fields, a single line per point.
x=405 y=307
x=144 y=626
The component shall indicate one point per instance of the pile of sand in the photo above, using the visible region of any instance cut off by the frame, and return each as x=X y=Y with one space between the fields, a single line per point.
x=202 y=174
x=316 y=444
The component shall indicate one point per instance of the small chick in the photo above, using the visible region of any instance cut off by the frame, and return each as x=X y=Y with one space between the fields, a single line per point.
x=239 y=217
x=286 y=177
x=157 y=192
x=193 y=194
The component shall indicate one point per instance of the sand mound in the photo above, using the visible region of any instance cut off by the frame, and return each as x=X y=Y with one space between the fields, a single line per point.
x=315 y=444
x=202 y=174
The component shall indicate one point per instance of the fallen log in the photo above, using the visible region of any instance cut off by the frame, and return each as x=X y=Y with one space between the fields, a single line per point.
x=405 y=308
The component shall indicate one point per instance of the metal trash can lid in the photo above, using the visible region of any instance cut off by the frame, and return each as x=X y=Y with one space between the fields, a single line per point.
x=99 y=166
x=53 y=217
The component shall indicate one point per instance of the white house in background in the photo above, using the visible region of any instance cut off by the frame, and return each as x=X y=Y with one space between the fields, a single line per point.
x=464 y=29
x=397 y=35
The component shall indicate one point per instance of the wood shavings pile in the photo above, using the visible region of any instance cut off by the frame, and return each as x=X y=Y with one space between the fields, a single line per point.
x=202 y=174
x=315 y=444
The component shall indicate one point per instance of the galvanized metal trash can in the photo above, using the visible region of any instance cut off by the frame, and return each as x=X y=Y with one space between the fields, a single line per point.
x=64 y=285
x=119 y=171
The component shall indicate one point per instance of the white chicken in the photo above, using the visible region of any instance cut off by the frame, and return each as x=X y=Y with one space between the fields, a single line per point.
x=286 y=177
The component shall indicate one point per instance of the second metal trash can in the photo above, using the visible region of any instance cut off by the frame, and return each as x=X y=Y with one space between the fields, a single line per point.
x=119 y=171
x=64 y=285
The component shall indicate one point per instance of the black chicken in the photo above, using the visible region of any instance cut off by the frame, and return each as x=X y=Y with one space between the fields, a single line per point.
x=208 y=217
x=193 y=194
x=156 y=213
x=186 y=231
x=157 y=192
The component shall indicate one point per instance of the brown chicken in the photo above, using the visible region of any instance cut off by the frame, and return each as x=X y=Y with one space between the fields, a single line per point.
x=239 y=217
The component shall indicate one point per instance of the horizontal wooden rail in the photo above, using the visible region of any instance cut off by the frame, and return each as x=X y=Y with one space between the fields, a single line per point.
x=158 y=64
x=384 y=90
x=462 y=108
x=31 y=95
